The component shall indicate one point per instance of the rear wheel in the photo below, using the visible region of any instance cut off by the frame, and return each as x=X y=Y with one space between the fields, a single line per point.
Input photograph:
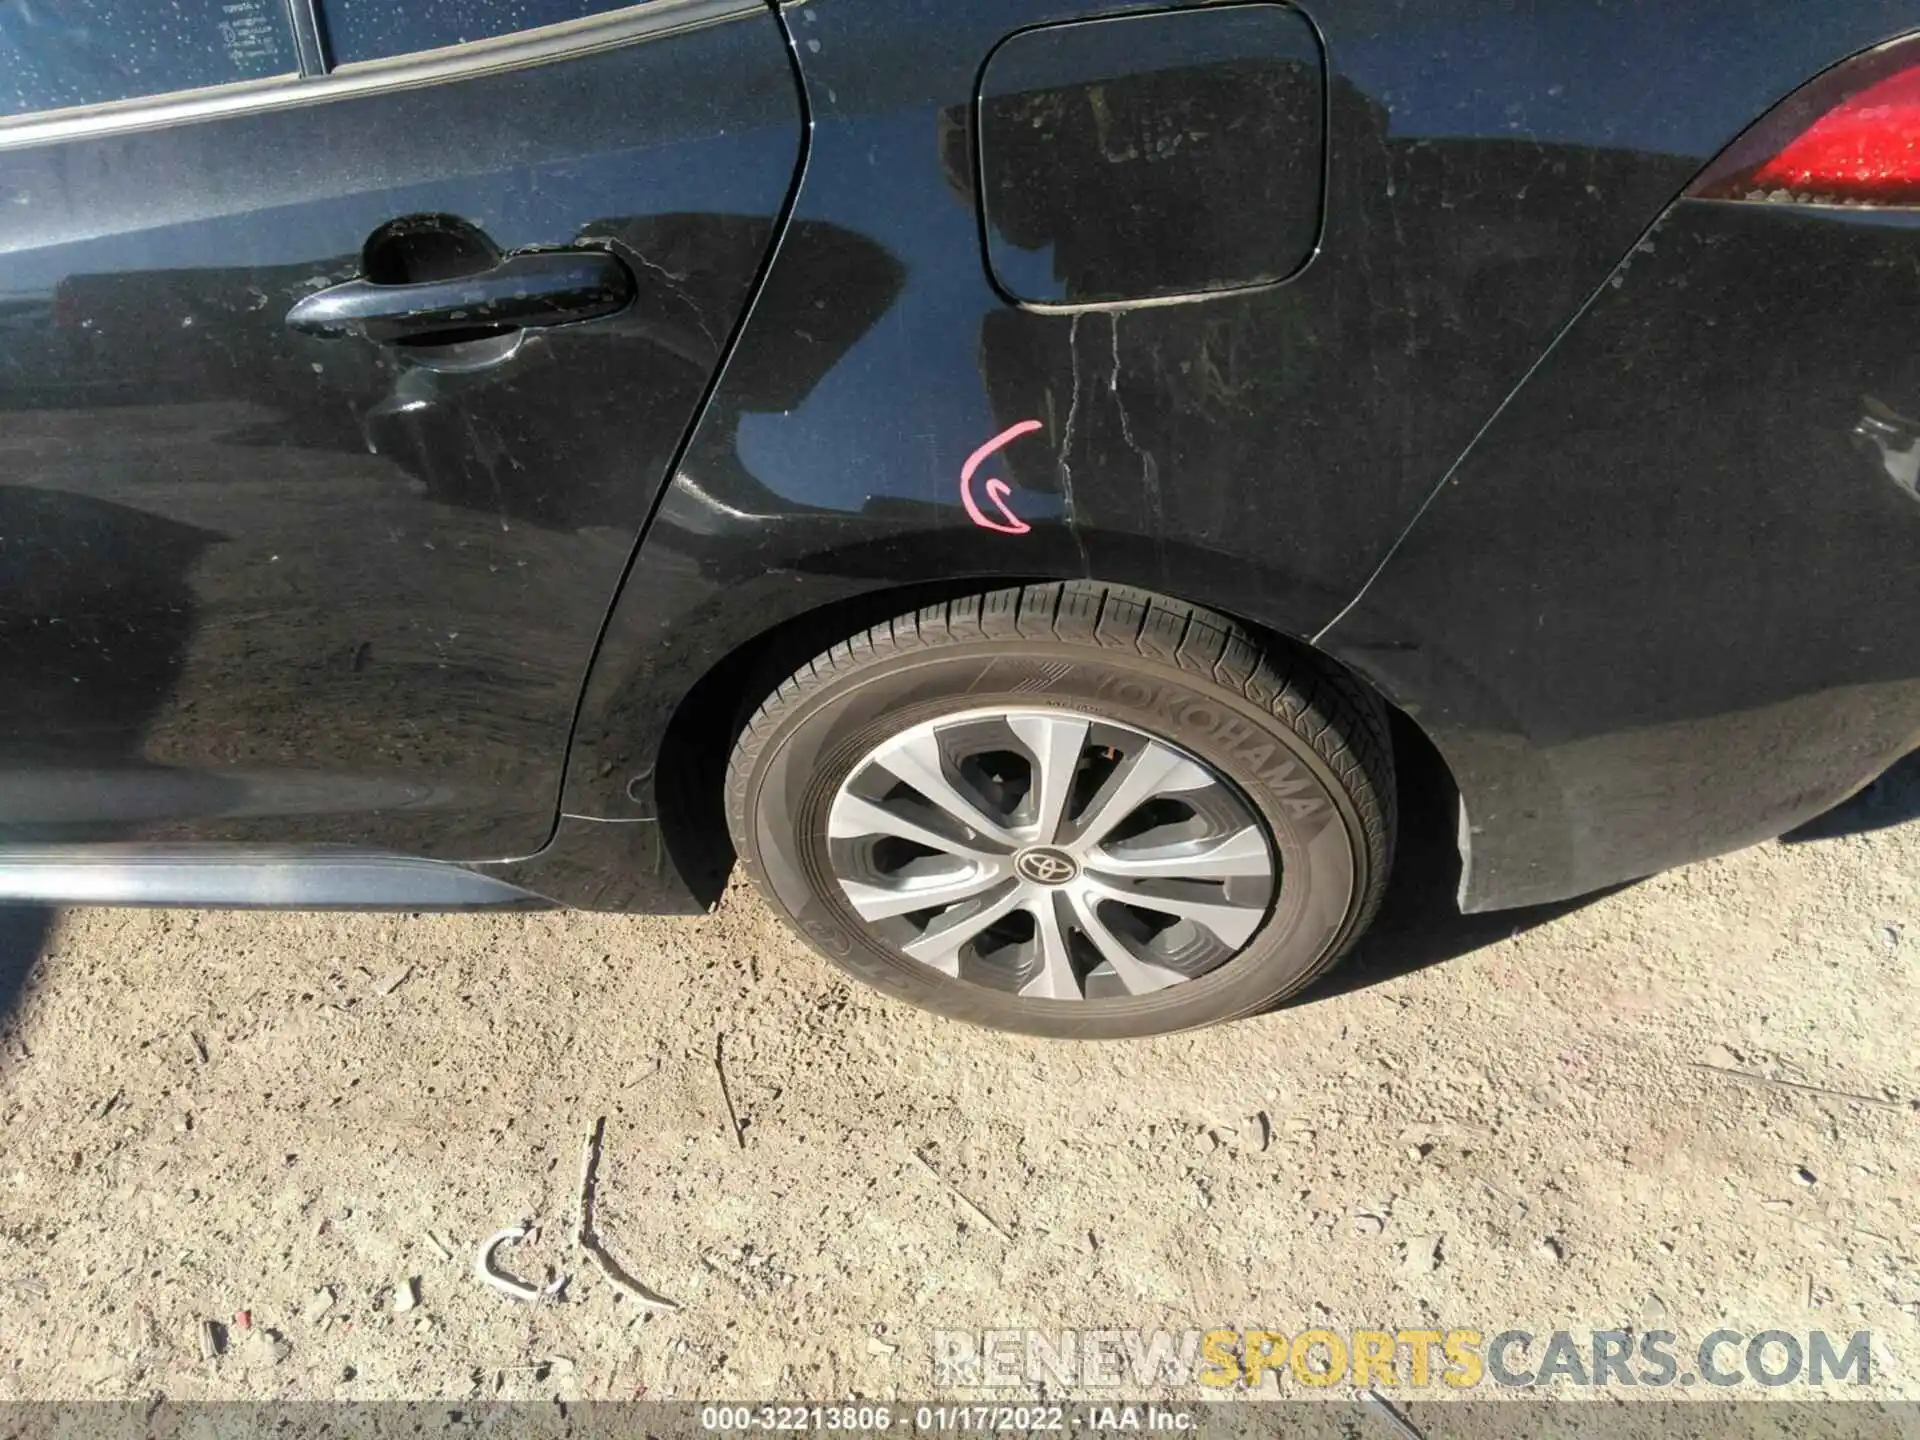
x=1070 y=810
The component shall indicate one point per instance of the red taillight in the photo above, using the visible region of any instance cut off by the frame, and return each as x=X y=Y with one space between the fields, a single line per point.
x=1867 y=148
x=1851 y=137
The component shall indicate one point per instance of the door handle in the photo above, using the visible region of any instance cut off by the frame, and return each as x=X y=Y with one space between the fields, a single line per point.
x=523 y=292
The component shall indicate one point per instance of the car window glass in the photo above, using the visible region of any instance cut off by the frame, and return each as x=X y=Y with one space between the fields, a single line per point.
x=375 y=29
x=60 y=53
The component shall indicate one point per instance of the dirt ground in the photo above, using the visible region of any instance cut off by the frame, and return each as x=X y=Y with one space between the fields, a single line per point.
x=300 y=1127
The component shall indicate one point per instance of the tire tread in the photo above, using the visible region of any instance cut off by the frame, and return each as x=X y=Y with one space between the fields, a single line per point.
x=1346 y=724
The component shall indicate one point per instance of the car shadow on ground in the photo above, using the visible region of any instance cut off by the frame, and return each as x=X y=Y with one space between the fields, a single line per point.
x=1420 y=923
x=23 y=937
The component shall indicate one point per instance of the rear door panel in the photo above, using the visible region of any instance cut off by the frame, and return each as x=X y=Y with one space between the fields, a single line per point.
x=262 y=586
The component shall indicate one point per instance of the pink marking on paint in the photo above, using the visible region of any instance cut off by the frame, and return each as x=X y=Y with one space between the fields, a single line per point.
x=997 y=489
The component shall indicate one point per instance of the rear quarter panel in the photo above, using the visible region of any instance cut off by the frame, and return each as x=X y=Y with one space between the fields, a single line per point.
x=1488 y=166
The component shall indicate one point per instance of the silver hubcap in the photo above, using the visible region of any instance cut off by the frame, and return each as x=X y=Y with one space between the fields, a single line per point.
x=1050 y=854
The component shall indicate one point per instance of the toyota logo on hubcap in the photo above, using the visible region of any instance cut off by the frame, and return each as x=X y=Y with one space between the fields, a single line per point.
x=1045 y=867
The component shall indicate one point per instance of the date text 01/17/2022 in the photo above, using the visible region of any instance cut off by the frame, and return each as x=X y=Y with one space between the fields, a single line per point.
x=945 y=1419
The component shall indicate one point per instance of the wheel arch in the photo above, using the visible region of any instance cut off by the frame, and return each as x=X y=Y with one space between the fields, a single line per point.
x=699 y=734
x=702 y=728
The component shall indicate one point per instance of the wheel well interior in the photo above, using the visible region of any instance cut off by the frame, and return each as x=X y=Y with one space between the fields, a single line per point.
x=700 y=736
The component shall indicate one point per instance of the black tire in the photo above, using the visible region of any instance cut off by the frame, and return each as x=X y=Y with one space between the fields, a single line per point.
x=1306 y=746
